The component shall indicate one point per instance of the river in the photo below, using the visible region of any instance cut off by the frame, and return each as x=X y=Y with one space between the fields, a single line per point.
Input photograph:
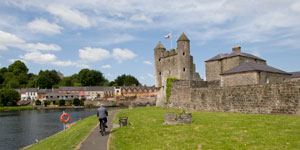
x=21 y=128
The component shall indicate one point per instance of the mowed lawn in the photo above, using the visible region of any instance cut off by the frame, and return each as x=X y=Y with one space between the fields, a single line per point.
x=209 y=130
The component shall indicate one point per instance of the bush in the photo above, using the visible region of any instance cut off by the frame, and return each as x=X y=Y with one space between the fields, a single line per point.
x=169 y=87
x=38 y=102
x=68 y=103
x=89 y=105
x=62 y=102
x=81 y=102
x=57 y=102
x=76 y=102
x=46 y=103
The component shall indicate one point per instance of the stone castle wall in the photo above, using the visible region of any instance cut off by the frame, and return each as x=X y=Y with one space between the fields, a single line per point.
x=263 y=99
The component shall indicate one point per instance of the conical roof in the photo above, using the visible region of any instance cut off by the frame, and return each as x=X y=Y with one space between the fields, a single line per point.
x=183 y=37
x=159 y=45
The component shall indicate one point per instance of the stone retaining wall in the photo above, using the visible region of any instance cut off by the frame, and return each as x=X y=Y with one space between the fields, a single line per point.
x=264 y=99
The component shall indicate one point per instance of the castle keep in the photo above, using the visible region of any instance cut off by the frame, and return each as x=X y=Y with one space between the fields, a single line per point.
x=174 y=63
x=235 y=82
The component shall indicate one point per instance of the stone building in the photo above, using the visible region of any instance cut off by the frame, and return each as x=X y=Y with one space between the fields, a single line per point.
x=174 y=63
x=253 y=73
x=295 y=76
x=223 y=62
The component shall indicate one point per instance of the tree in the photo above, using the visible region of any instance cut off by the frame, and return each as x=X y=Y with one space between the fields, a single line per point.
x=38 y=102
x=47 y=79
x=9 y=97
x=126 y=80
x=67 y=81
x=91 y=77
x=62 y=102
x=76 y=102
x=18 y=67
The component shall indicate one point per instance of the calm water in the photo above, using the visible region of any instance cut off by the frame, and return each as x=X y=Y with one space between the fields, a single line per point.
x=21 y=128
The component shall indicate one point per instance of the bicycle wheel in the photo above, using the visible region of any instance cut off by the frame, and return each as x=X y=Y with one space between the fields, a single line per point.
x=102 y=128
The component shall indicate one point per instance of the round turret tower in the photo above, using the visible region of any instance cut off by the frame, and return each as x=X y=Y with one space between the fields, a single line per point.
x=159 y=51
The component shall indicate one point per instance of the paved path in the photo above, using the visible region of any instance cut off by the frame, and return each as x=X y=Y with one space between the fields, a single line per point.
x=95 y=140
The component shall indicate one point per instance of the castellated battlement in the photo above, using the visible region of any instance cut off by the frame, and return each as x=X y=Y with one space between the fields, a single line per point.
x=173 y=63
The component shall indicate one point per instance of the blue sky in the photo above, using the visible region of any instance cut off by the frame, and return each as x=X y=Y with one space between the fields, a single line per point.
x=117 y=37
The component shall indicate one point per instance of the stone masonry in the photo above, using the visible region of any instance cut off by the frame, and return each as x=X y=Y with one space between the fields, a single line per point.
x=174 y=63
x=283 y=98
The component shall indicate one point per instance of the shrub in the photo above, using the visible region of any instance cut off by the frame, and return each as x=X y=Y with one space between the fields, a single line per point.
x=89 y=105
x=76 y=102
x=9 y=97
x=38 y=102
x=68 y=103
x=62 y=102
x=57 y=102
x=46 y=103
x=81 y=102
x=169 y=87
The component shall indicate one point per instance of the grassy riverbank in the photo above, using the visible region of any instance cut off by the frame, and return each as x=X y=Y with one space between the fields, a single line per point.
x=16 y=108
x=209 y=130
x=70 y=138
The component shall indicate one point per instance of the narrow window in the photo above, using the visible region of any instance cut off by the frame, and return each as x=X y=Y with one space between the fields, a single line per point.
x=159 y=73
x=183 y=53
x=159 y=59
x=169 y=71
x=267 y=80
x=184 y=69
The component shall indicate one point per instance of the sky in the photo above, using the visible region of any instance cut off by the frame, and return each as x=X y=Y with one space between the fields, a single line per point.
x=118 y=36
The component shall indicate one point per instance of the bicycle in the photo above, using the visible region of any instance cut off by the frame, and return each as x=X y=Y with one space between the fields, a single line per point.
x=102 y=127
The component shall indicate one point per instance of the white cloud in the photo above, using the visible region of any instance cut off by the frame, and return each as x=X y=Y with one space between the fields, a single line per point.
x=142 y=77
x=116 y=38
x=147 y=62
x=93 y=54
x=123 y=54
x=106 y=66
x=150 y=75
x=11 y=40
x=41 y=46
x=141 y=18
x=43 y=26
x=70 y=15
x=40 y=58
x=13 y=60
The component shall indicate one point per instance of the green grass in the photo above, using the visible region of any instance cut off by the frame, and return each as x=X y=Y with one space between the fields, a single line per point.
x=69 y=139
x=209 y=130
x=16 y=108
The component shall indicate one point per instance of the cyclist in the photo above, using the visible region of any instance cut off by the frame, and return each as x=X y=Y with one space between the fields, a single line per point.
x=102 y=115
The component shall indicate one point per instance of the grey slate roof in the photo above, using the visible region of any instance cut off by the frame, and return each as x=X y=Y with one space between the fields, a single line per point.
x=87 y=88
x=295 y=74
x=247 y=67
x=233 y=54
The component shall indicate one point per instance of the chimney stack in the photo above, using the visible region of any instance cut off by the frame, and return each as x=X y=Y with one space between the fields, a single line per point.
x=236 y=49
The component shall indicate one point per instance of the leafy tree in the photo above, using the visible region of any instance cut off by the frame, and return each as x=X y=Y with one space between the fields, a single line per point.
x=18 y=67
x=126 y=80
x=47 y=79
x=76 y=102
x=3 y=70
x=67 y=81
x=9 y=97
x=62 y=102
x=91 y=77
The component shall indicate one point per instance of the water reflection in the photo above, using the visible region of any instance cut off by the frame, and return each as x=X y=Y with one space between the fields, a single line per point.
x=20 y=128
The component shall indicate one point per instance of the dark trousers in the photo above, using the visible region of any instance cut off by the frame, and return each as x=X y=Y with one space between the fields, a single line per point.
x=105 y=121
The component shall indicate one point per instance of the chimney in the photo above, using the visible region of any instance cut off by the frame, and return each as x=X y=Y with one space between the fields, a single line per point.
x=236 y=49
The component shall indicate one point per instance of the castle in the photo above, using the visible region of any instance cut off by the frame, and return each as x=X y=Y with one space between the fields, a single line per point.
x=235 y=82
x=174 y=63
